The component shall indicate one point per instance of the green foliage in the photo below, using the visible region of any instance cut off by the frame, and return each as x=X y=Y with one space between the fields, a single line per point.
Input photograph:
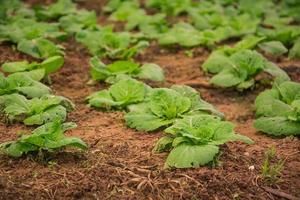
x=207 y=15
x=36 y=111
x=220 y=58
x=275 y=48
x=194 y=140
x=55 y=10
x=197 y=103
x=119 y=95
x=19 y=29
x=183 y=34
x=7 y=8
x=241 y=25
x=114 y=5
x=124 y=10
x=278 y=110
x=40 y=48
x=49 y=137
x=163 y=106
x=291 y=8
x=22 y=83
x=295 y=50
x=170 y=7
x=48 y=66
x=248 y=42
x=78 y=21
x=187 y=35
x=123 y=69
x=31 y=36
x=150 y=71
x=231 y=19
x=272 y=19
x=244 y=66
x=255 y=10
x=224 y=22
x=150 y=25
x=271 y=172
x=239 y=69
x=104 y=42
x=284 y=34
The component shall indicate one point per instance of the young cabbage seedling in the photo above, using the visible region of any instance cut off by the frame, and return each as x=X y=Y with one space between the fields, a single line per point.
x=40 y=48
x=194 y=140
x=46 y=67
x=24 y=83
x=123 y=70
x=163 y=106
x=103 y=42
x=49 y=137
x=240 y=69
x=36 y=111
x=120 y=95
x=278 y=110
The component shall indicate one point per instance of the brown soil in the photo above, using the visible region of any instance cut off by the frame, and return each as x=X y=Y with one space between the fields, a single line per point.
x=119 y=163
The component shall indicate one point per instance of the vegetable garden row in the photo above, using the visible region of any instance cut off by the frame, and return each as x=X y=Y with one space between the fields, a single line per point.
x=193 y=129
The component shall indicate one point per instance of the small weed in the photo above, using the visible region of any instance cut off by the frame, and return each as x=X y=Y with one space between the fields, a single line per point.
x=52 y=164
x=271 y=170
x=217 y=162
x=189 y=53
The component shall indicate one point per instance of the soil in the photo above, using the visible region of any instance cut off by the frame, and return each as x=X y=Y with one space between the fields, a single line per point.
x=119 y=163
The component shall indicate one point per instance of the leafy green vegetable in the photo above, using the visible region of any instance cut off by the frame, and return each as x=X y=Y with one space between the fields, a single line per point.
x=295 y=50
x=40 y=48
x=221 y=22
x=183 y=34
x=22 y=83
x=124 y=69
x=130 y=11
x=216 y=62
x=163 y=106
x=212 y=15
x=20 y=29
x=188 y=36
x=277 y=72
x=207 y=15
x=55 y=10
x=170 y=7
x=30 y=36
x=248 y=42
x=36 y=111
x=48 y=66
x=239 y=69
x=272 y=19
x=197 y=103
x=150 y=71
x=275 y=48
x=242 y=25
x=278 y=110
x=124 y=10
x=49 y=137
x=150 y=25
x=242 y=67
x=285 y=34
x=257 y=9
x=291 y=8
x=114 y=5
x=78 y=21
x=7 y=8
x=194 y=140
x=104 y=42
x=119 y=95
